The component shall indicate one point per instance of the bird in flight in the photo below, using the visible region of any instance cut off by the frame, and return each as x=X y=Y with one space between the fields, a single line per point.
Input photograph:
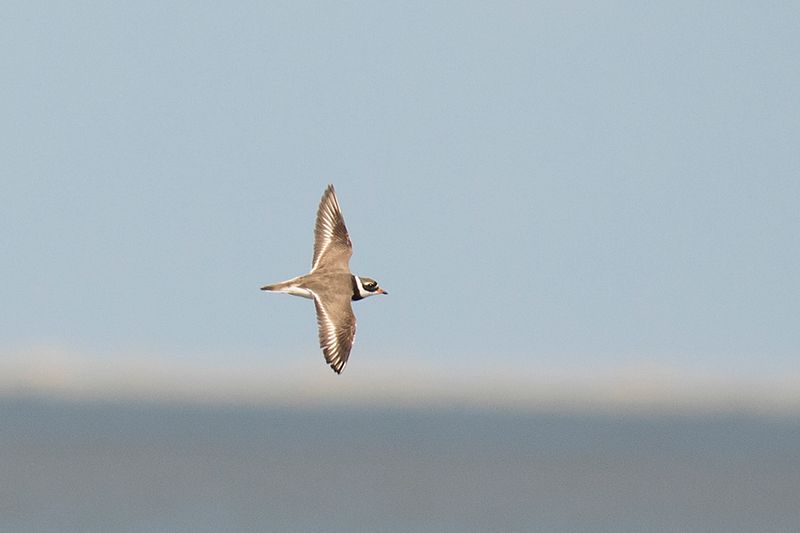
x=331 y=284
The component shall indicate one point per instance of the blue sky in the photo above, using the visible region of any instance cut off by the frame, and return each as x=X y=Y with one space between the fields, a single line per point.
x=544 y=188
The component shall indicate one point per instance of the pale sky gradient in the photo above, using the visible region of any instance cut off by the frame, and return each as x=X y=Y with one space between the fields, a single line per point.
x=545 y=189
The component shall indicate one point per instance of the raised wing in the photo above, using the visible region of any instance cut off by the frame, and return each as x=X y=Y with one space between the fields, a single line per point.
x=337 y=329
x=332 y=247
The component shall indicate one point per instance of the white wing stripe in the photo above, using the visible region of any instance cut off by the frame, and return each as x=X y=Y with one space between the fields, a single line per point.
x=330 y=342
x=329 y=220
x=327 y=226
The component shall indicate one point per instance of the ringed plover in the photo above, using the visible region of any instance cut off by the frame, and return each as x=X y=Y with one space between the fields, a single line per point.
x=331 y=284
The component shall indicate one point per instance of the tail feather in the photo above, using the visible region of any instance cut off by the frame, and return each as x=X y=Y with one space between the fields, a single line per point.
x=283 y=285
x=290 y=287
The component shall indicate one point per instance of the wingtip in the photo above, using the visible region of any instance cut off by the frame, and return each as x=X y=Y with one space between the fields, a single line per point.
x=338 y=367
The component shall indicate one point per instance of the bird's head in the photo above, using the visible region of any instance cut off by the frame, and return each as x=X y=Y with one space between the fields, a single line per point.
x=363 y=287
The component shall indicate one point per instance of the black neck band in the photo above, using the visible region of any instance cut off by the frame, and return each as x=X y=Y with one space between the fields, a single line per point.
x=356 y=292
